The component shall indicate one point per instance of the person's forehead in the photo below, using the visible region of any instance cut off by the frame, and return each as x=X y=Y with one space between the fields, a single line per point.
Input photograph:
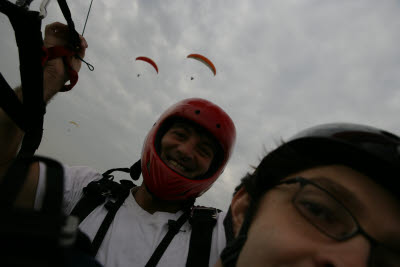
x=196 y=129
x=190 y=127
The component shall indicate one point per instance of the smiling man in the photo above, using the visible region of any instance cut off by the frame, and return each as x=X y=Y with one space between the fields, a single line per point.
x=183 y=154
x=188 y=150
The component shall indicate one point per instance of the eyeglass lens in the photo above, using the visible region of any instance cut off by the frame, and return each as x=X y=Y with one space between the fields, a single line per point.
x=325 y=212
x=332 y=218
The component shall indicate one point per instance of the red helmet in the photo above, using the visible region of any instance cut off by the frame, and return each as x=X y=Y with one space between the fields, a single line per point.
x=165 y=183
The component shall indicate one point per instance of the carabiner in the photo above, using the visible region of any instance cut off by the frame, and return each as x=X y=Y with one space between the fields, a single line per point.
x=24 y=3
x=43 y=6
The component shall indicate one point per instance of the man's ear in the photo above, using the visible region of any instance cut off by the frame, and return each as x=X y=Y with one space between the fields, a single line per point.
x=240 y=204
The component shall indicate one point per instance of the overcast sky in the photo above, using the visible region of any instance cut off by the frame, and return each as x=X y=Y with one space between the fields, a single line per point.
x=282 y=66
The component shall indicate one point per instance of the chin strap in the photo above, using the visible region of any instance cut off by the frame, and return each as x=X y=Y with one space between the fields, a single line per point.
x=231 y=252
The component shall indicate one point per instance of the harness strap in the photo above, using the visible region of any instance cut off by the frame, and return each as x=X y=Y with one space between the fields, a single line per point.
x=95 y=194
x=12 y=183
x=112 y=207
x=87 y=204
x=27 y=28
x=174 y=227
x=27 y=25
x=11 y=104
x=203 y=220
x=74 y=36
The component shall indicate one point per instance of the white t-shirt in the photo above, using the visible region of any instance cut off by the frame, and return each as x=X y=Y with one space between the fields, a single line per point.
x=134 y=233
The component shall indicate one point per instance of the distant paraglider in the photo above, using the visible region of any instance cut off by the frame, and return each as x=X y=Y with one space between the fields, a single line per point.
x=204 y=60
x=148 y=60
x=74 y=123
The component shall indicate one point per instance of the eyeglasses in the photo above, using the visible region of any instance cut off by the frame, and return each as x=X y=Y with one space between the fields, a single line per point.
x=324 y=211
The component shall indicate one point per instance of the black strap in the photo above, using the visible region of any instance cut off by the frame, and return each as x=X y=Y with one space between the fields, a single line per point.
x=95 y=194
x=12 y=182
x=29 y=115
x=112 y=207
x=11 y=104
x=53 y=197
x=203 y=220
x=174 y=227
x=74 y=35
x=27 y=29
x=134 y=171
x=228 y=226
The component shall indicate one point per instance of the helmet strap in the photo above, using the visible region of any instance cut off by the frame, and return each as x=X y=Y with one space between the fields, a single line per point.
x=135 y=170
x=230 y=254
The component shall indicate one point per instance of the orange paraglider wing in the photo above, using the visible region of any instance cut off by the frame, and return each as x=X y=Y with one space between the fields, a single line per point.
x=205 y=60
x=148 y=60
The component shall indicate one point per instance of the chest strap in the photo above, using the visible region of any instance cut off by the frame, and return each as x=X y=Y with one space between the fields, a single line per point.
x=203 y=220
x=173 y=229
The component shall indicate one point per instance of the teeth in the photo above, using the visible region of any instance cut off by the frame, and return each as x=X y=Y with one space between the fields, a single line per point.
x=177 y=165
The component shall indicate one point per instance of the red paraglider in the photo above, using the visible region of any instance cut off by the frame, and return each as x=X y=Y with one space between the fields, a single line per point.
x=204 y=60
x=150 y=61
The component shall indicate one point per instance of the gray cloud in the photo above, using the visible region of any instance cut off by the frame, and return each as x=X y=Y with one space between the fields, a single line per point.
x=281 y=66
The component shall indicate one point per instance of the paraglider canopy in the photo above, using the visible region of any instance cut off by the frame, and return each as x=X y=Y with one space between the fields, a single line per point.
x=74 y=123
x=150 y=61
x=204 y=60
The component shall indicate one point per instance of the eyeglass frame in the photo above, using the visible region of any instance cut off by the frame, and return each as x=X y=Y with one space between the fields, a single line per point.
x=358 y=229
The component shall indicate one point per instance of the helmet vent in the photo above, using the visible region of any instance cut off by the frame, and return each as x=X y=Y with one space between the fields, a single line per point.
x=197 y=112
x=218 y=125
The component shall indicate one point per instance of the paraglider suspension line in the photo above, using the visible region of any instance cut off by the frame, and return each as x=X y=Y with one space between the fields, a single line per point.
x=87 y=16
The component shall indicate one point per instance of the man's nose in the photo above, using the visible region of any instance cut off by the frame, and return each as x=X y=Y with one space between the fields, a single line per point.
x=350 y=253
x=185 y=150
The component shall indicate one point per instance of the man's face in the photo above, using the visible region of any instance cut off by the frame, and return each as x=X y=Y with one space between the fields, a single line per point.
x=281 y=236
x=186 y=150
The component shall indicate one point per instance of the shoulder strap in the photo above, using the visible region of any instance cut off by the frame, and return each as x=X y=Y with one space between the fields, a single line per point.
x=95 y=194
x=173 y=229
x=203 y=220
x=112 y=207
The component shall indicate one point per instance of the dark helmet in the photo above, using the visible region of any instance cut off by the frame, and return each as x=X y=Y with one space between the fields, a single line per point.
x=165 y=183
x=371 y=151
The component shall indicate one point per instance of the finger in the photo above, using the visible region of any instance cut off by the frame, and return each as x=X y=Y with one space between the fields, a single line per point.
x=56 y=27
x=58 y=30
x=83 y=41
x=83 y=46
